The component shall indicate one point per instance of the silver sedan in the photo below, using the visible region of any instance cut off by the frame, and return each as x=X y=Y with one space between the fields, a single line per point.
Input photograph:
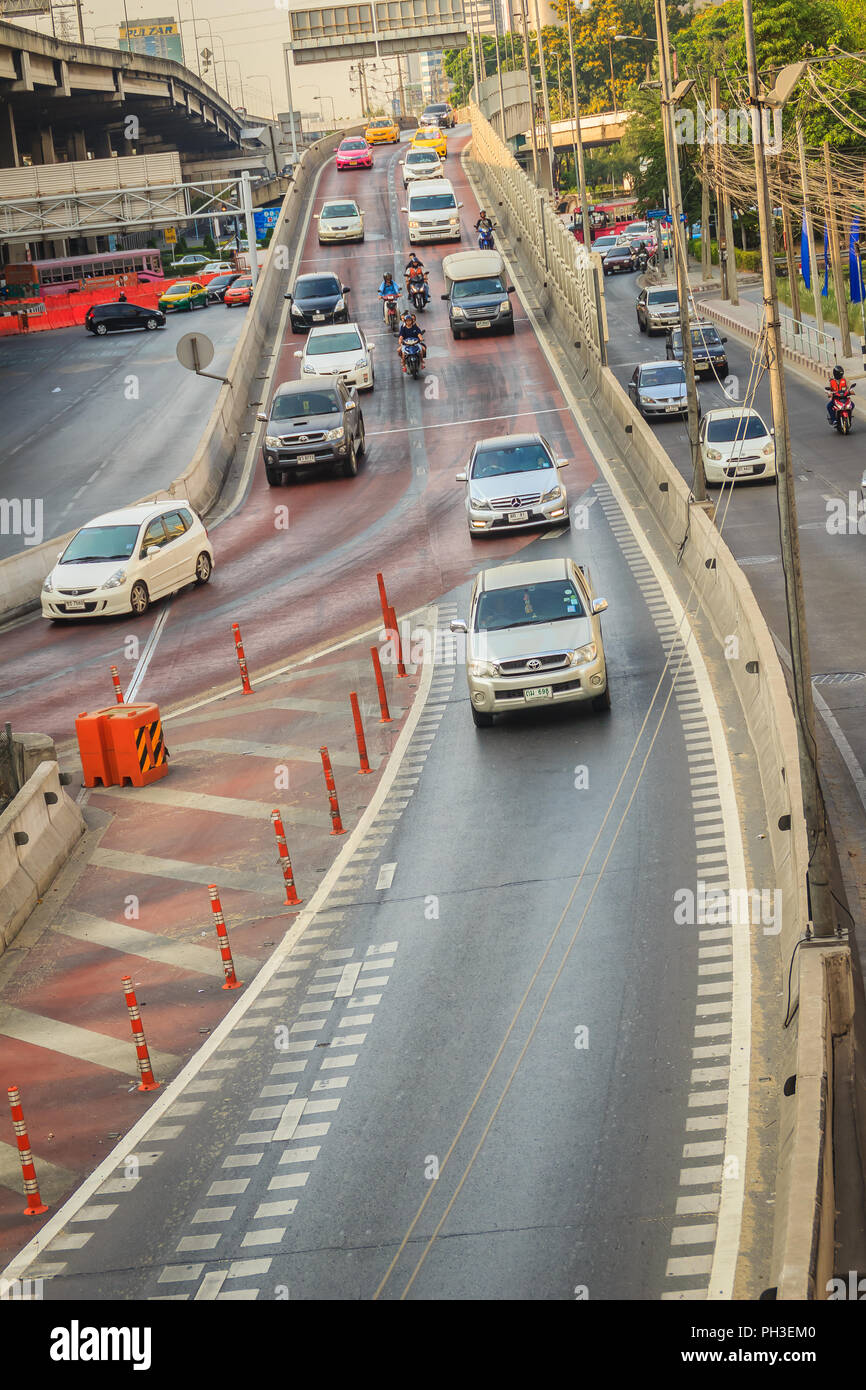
x=512 y=482
x=659 y=388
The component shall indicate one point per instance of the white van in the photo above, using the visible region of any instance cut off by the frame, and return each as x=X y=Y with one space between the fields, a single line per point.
x=434 y=212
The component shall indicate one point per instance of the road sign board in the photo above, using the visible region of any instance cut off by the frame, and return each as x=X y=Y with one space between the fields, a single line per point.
x=195 y=351
x=170 y=236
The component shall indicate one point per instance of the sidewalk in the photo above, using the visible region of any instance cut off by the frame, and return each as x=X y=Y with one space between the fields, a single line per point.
x=134 y=901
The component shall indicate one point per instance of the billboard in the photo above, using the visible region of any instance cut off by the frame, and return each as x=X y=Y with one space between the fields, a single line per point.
x=160 y=38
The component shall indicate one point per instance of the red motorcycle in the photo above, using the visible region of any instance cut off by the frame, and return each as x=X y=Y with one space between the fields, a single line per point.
x=842 y=406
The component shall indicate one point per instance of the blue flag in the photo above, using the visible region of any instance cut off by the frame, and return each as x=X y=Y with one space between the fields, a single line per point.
x=804 y=255
x=826 y=263
x=855 y=268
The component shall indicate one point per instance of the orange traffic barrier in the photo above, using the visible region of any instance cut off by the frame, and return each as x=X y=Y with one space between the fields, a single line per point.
x=380 y=686
x=97 y=757
x=118 y=693
x=292 y=899
x=145 y=1070
x=242 y=661
x=336 y=823
x=35 y=1205
x=135 y=738
x=359 y=734
x=231 y=980
x=392 y=616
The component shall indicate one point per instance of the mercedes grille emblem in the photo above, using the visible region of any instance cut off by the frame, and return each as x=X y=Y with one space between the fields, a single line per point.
x=515 y=501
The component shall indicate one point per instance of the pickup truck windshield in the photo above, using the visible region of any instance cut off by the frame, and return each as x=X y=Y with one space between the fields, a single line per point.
x=489 y=284
x=552 y=601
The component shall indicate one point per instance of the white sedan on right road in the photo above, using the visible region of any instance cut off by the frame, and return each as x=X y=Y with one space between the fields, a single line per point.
x=341 y=350
x=735 y=443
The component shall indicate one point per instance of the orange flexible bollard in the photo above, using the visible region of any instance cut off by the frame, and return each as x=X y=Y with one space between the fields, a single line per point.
x=392 y=616
x=380 y=686
x=359 y=735
x=231 y=980
x=35 y=1205
x=336 y=823
x=242 y=661
x=148 y=1080
x=118 y=693
x=383 y=600
x=292 y=899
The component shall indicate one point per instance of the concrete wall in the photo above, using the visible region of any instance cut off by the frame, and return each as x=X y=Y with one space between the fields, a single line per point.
x=38 y=831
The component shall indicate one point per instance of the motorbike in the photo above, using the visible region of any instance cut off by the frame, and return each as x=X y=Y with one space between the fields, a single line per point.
x=392 y=318
x=843 y=409
x=412 y=357
x=485 y=238
x=418 y=292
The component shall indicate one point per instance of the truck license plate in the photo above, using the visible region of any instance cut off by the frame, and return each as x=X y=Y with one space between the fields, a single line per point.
x=483 y=323
x=538 y=692
x=306 y=458
x=518 y=516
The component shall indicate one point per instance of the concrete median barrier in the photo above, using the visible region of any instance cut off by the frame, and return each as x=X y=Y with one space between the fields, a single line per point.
x=201 y=481
x=38 y=830
x=805 y=1207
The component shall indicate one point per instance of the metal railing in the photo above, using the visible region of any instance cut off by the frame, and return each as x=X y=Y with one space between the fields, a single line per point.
x=809 y=340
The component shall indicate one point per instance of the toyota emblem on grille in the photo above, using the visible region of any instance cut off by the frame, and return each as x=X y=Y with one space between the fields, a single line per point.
x=302 y=439
x=534 y=664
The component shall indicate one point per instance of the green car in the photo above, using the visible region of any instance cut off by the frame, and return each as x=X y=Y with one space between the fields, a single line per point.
x=184 y=294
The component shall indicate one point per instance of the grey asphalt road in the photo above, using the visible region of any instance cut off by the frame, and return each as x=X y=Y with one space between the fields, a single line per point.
x=576 y=1183
x=93 y=423
x=828 y=469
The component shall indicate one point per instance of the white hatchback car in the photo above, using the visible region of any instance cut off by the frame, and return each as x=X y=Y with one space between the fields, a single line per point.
x=340 y=220
x=421 y=164
x=122 y=561
x=735 y=443
x=341 y=350
x=216 y=268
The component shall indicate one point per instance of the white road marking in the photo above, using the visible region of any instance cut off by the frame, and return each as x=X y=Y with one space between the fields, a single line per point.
x=348 y=980
x=290 y=1118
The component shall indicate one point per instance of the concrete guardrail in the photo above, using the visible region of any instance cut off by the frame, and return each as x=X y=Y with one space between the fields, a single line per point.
x=38 y=830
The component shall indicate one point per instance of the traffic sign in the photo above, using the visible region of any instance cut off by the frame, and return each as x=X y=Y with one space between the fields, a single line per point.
x=170 y=236
x=195 y=351
x=657 y=212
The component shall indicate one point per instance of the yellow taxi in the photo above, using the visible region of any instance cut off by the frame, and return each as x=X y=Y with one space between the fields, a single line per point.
x=382 y=131
x=430 y=138
x=184 y=294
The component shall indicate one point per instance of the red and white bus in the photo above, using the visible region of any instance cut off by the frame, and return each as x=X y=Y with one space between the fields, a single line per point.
x=57 y=276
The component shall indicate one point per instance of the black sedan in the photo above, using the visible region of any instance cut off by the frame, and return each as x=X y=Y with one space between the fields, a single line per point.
x=216 y=288
x=708 y=348
x=311 y=423
x=318 y=298
x=618 y=258
x=113 y=318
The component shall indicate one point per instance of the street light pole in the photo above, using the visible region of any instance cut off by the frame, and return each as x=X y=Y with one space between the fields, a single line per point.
x=544 y=96
x=533 y=133
x=577 y=141
x=288 y=60
x=611 y=32
x=699 y=485
x=818 y=874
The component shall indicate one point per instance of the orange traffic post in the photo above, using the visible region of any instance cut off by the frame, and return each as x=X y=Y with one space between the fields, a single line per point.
x=336 y=823
x=148 y=1080
x=392 y=615
x=292 y=899
x=383 y=600
x=35 y=1205
x=118 y=693
x=242 y=661
x=380 y=686
x=231 y=980
x=359 y=735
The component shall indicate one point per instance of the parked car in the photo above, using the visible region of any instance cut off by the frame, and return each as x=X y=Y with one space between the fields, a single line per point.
x=354 y=153
x=184 y=294
x=318 y=297
x=659 y=388
x=216 y=288
x=312 y=423
x=735 y=443
x=239 y=292
x=421 y=164
x=657 y=308
x=123 y=560
x=114 y=318
x=619 y=259
x=708 y=348
x=438 y=113
x=341 y=351
x=191 y=262
x=216 y=268
x=534 y=638
x=382 y=131
x=340 y=220
x=512 y=483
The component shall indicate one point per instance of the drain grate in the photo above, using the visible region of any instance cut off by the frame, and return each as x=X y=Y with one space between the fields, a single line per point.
x=838 y=677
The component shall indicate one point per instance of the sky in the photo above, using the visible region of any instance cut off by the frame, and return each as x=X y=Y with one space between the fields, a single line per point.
x=253 y=35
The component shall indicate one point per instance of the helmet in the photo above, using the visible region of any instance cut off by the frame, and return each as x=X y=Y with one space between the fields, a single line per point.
x=838 y=373
x=387 y=275
x=482 y=213
x=410 y=318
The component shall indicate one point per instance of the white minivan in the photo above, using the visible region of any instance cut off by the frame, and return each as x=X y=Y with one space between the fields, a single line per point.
x=434 y=212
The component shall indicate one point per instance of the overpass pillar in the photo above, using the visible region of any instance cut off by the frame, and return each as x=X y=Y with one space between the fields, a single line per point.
x=9 y=158
x=42 y=147
x=102 y=143
x=76 y=145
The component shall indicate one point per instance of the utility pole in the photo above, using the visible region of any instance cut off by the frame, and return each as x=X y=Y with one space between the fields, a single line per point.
x=810 y=235
x=533 y=133
x=725 y=217
x=577 y=140
x=835 y=257
x=288 y=57
x=699 y=485
x=818 y=875
x=544 y=96
x=706 y=253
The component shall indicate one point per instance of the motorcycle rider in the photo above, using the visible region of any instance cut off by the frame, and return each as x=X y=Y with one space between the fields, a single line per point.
x=838 y=389
x=387 y=287
x=484 y=225
x=410 y=333
x=415 y=273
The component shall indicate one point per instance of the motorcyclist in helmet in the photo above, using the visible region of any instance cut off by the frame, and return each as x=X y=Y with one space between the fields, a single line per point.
x=838 y=388
x=386 y=289
x=410 y=333
x=415 y=272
